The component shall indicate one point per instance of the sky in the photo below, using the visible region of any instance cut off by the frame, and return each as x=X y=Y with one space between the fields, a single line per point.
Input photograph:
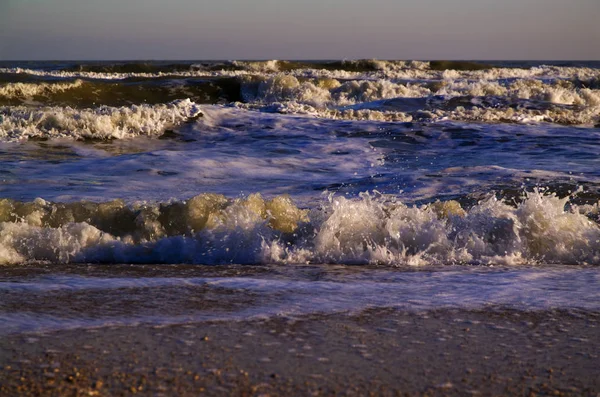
x=307 y=29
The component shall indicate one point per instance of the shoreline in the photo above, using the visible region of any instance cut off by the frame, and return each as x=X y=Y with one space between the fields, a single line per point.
x=379 y=351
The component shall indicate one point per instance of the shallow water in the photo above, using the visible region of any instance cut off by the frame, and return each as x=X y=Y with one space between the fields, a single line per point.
x=334 y=180
x=63 y=297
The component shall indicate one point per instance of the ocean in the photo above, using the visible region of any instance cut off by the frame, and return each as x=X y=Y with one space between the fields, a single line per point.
x=167 y=192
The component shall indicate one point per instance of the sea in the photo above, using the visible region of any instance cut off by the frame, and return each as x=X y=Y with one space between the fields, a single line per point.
x=175 y=192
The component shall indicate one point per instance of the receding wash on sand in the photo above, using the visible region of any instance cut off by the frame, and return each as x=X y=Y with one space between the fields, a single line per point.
x=299 y=227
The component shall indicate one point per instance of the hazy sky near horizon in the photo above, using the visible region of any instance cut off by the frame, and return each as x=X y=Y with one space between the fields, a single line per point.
x=309 y=29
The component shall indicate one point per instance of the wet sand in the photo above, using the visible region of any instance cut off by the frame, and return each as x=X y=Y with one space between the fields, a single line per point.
x=378 y=352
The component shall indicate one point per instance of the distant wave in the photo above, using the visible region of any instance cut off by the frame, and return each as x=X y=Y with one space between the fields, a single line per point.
x=353 y=89
x=90 y=93
x=334 y=69
x=514 y=101
x=26 y=90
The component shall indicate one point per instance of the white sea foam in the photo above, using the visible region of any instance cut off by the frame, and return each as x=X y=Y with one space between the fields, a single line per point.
x=18 y=123
x=558 y=92
x=538 y=72
x=586 y=116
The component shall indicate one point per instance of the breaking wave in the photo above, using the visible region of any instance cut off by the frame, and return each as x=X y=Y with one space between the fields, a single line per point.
x=371 y=229
x=105 y=122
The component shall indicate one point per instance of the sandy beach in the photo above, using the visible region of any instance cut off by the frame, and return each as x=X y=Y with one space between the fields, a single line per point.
x=378 y=352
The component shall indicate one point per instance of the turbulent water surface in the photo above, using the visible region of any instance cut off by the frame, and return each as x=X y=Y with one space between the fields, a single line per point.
x=312 y=186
